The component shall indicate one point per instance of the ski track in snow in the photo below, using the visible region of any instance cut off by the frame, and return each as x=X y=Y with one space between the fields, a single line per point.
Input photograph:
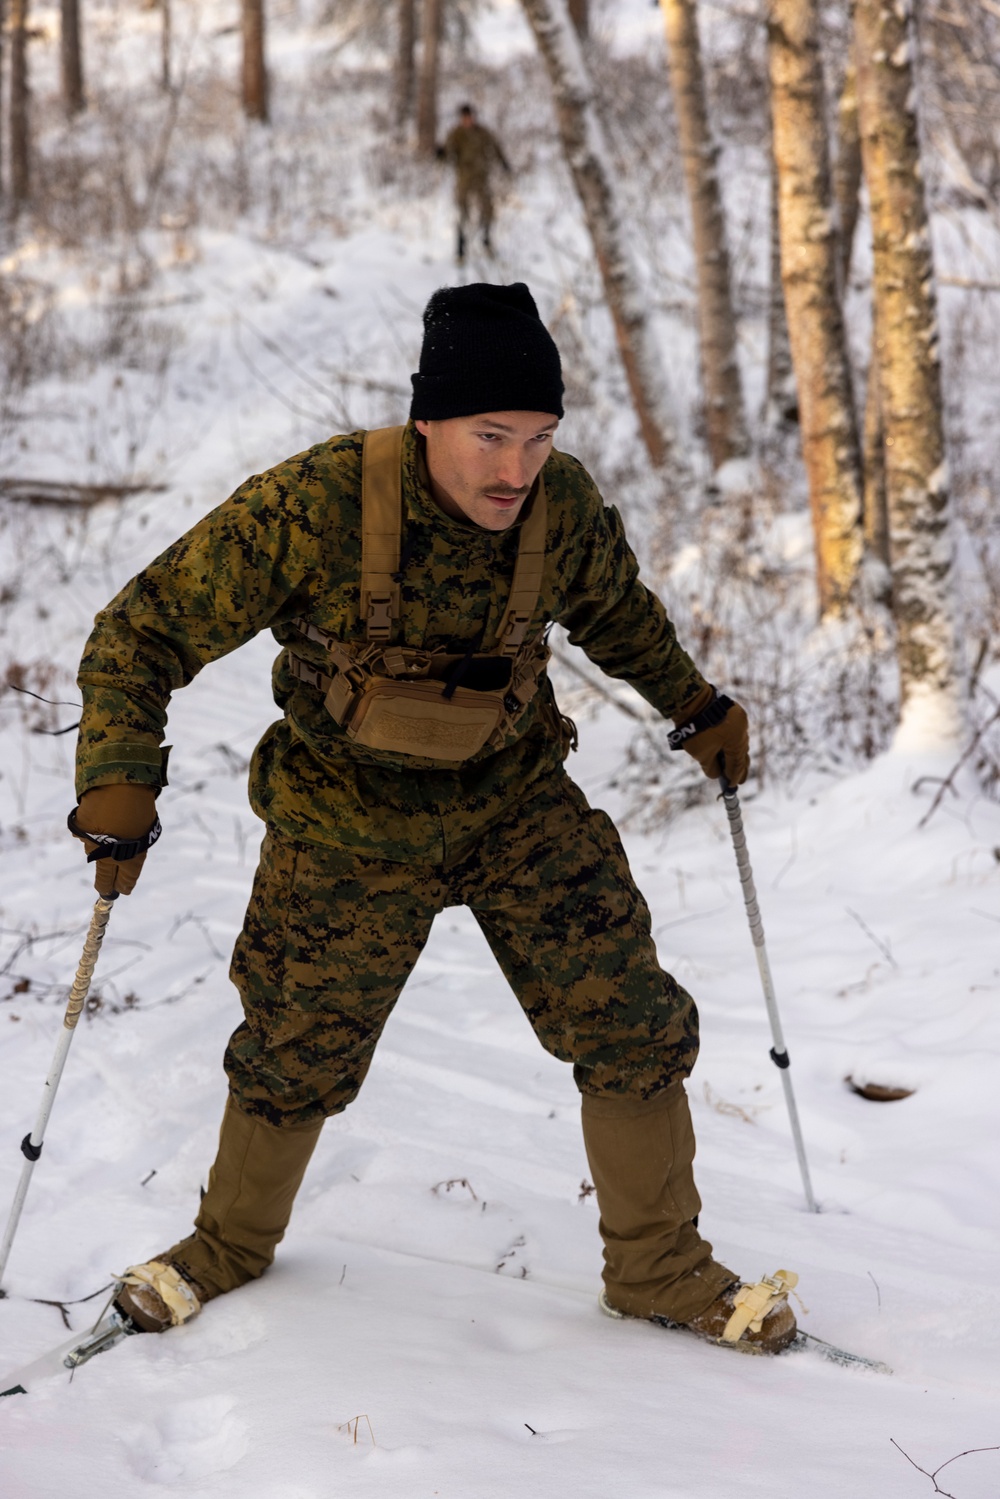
x=456 y=1325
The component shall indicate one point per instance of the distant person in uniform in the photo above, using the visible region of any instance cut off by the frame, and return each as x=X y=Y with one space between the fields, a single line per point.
x=473 y=151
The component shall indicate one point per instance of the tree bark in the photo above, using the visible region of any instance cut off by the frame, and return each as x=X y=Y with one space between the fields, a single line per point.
x=876 y=510
x=725 y=421
x=3 y=33
x=20 y=137
x=781 y=402
x=71 y=58
x=588 y=159
x=256 y=104
x=815 y=323
x=579 y=14
x=847 y=175
x=166 y=45
x=909 y=372
x=432 y=18
x=405 y=72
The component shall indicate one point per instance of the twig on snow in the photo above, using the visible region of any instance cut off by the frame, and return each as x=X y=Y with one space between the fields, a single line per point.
x=948 y=784
x=883 y=947
x=940 y=1469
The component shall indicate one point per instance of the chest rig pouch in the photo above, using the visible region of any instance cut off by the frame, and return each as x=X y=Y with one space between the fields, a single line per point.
x=416 y=702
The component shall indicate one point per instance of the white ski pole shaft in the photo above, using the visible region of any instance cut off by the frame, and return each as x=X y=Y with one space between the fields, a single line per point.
x=779 y=1052
x=31 y=1145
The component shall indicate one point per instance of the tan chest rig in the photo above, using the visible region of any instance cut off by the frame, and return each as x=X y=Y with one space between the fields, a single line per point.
x=417 y=702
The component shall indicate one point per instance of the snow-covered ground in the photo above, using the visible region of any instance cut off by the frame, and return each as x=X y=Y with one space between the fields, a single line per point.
x=430 y=1326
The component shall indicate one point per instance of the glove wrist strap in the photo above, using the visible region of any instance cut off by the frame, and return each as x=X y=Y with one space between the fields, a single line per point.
x=706 y=719
x=110 y=847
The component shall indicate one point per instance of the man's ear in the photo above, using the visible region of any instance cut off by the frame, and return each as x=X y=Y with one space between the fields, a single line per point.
x=421 y=426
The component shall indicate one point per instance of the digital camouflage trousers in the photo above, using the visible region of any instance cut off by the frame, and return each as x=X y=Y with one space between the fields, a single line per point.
x=474 y=196
x=331 y=936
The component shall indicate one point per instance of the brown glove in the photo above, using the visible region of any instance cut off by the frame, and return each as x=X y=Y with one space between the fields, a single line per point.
x=715 y=731
x=126 y=816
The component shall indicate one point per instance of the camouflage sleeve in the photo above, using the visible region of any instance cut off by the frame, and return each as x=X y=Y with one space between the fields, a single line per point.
x=246 y=566
x=621 y=625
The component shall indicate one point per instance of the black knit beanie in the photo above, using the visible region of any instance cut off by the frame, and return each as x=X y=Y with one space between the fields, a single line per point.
x=485 y=349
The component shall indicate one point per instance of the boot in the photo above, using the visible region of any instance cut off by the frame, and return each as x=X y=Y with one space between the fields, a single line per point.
x=752 y=1319
x=641 y=1154
x=243 y=1216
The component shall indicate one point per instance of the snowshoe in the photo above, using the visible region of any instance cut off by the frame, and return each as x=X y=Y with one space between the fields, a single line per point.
x=155 y=1296
x=750 y=1318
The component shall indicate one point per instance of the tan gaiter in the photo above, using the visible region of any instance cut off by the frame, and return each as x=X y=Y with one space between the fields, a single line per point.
x=641 y=1155
x=245 y=1211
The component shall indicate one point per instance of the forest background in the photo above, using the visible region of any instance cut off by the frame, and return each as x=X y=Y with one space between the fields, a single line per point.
x=766 y=240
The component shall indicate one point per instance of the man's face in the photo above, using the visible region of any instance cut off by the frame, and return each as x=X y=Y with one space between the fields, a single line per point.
x=482 y=467
x=467 y=117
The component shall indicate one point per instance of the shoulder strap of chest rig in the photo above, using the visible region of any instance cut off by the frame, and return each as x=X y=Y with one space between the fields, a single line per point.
x=381 y=535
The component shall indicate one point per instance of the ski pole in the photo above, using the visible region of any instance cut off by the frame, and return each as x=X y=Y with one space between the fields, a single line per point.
x=31 y=1145
x=779 y=1052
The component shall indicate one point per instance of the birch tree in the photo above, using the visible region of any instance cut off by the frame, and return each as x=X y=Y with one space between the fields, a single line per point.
x=809 y=275
x=166 y=46
x=71 y=58
x=256 y=103
x=909 y=371
x=3 y=32
x=19 y=127
x=725 y=421
x=847 y=175
x=586 y=152
x=431 y=22
x=406 y=37
x=781 y=403
x=876 y=510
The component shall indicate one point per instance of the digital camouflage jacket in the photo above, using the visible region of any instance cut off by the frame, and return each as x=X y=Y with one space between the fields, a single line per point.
x=288 y=544
x=473 y=151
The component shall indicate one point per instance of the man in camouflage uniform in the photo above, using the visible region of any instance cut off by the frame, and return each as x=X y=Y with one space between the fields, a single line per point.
x=474 y=152
x=364 y=847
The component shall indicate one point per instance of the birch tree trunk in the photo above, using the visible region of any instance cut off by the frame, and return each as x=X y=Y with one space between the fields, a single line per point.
x=725 y=421
x=70 y=58
x=19 y=131
x=876 y=523
x=406 y=16
x=587 y=156
x=781 y=406
x=255 y=81
x=3 y=33
x=847 y=175
x=432 y=18
x=815 y=323
x=166 y=46
x=909 y=367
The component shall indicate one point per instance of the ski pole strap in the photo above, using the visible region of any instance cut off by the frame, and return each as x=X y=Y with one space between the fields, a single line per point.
x=706 y=719
x=110 y=847
x=752 y=1303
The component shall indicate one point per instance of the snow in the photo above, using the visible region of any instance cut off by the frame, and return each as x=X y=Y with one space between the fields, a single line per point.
x=430 y=1325
x=930 y=723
